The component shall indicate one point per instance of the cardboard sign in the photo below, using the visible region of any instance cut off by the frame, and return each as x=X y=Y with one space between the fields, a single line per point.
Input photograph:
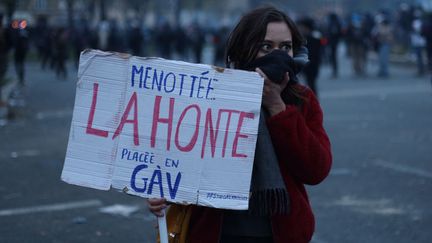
x=159 y=128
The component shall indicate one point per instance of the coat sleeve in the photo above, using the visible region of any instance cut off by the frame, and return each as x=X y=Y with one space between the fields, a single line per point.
x=301 y=142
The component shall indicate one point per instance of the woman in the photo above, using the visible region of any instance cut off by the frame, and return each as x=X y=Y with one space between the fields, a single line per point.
x=294 y=124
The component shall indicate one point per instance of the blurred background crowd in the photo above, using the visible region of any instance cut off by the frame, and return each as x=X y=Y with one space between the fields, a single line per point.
x=54 y=32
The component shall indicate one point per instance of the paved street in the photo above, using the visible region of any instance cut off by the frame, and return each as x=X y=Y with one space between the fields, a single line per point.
x=379 y=189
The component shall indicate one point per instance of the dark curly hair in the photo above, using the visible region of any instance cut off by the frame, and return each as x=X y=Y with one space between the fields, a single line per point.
x=244 y=41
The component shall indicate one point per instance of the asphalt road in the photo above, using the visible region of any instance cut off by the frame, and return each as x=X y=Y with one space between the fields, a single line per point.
x=379 y=189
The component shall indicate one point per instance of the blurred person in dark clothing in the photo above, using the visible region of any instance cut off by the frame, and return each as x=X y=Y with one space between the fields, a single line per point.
x=357 y=38
x=4 y=50
x=46 y=50
x=164 y=40
x=103 y=30
x=93 y=38
x=20 y=41
x=219 y=40
x=405 y=15
x=80 y=36
x=313 y=44
x=197 y=38
x=115 y=41
x=427 y=33
x=60 y=47
x=333 y=34
x=418 y=43
x=181 y=44
x=384 y=36
x=43 y=41
x=135 y=39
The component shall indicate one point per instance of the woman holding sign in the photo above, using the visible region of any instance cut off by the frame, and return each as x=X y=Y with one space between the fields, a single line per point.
x=292 y=150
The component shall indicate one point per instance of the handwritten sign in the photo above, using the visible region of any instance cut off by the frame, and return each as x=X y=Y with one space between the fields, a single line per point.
x=160 y=128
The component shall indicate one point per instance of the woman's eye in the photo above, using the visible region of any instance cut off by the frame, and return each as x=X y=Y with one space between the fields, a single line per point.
x=265 y=47
x=286 y=47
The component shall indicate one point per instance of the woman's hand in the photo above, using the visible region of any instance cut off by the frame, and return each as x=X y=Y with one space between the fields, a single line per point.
x=157 y=205
x=272 y=99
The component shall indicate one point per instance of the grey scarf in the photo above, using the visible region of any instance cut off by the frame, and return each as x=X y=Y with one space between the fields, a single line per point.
x=268 y=192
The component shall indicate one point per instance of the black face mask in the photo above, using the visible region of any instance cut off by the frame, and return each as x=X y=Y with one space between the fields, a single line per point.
x=277 y=63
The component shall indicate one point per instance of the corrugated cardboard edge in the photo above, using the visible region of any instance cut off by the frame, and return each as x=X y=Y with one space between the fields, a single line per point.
x=95 y=52
x=218 y=69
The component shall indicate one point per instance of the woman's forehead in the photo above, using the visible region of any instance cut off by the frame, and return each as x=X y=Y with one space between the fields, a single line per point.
x=278 y=31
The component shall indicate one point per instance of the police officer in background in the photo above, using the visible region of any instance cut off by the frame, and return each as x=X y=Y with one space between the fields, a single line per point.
x=20 y=41
x=313 y=37
x=4 y=49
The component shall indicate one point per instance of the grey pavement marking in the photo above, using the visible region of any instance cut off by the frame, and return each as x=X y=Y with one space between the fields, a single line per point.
x=50 y=208
x=26 y=153
x=403 y=168
x=382 y=206
x=119 y=209
x=342 y=172
x=17 y=154
x=53 y=114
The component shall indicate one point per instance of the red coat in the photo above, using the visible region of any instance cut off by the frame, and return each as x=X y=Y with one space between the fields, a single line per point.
x=304 y=153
